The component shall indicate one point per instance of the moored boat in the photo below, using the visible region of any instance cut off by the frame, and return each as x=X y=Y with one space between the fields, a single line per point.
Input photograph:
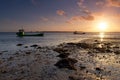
x=21 y=33
x=75 y=32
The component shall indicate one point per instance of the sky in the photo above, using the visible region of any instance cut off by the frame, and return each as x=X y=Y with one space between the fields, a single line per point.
x=60 y=15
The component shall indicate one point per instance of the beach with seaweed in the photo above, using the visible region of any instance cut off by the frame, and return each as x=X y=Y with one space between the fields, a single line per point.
x=88 y=59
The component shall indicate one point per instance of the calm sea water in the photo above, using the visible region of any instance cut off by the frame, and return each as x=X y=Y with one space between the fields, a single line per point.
x=8 y=41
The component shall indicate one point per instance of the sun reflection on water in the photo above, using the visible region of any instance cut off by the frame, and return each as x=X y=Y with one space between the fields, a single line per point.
x=101 y=35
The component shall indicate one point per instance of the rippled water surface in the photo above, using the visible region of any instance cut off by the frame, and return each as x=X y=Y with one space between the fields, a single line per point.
x=8 y=41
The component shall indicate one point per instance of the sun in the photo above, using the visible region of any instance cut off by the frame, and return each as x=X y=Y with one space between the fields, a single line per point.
x=102 y=26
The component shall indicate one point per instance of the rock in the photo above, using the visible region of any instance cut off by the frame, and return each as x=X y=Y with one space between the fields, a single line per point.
x=35 y=45
x=76 y=78
x=19 y=44
x=1 y=53
x=95 y=40
x=3 y=70
x=85 y=45
x=28 y=52
x=98 y=69
x=90 y=53
x=39 y=47
x=71 y=43
x=109 y=50
x=64 y=55
x=10 y=58
x=60 y=50
x=82 y=67
x=117 y=47
x=4 y=51
x=103 y=50
x=117 y=52
x=26 y=47
x=66 y=63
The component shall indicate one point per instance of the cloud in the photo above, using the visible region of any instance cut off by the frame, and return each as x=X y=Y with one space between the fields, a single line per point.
x=83 y=8
x=116 y=15
x=88 y=17
x=80 y=3
x=86 y=11
x=100 y=3
x=74 y=19
x=108 y=3
x=80 y=18
x=61 y=12
x=113 y=3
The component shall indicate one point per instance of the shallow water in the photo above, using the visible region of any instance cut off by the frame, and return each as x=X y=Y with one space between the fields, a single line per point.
x=8 y=41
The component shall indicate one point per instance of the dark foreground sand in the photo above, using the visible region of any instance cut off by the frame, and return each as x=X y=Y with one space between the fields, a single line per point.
x=86 y=60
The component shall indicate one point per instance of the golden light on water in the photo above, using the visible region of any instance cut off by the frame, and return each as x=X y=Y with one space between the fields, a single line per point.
x=101 y=35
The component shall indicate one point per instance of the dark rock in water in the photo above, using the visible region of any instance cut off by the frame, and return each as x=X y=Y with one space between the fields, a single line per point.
x=71 y=43
x=28 y=52
x=39 y=47
x=84 y=45
x=4 y=51
x=98 y=69
x=96 y=40
x=26 y=47
x=64 y=55
x=117 y=52
x=35 y=45
x=1 y=53
x=116 y=47
x=103 y=50
x=10 y=58
x=90 y=53
x=66 y=63
x=76 y=78
x=3 y=71
x=60 y=50
x=82 y=67
x=19 y=44
x=109 y=50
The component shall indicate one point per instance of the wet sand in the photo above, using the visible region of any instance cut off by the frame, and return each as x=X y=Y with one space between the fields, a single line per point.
x=89 y=59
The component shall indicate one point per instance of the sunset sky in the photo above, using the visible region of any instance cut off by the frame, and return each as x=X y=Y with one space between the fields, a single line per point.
x=60 y=15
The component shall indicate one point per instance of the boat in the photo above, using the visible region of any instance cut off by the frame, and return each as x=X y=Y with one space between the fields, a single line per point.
x=21 y=33
x=75 y=32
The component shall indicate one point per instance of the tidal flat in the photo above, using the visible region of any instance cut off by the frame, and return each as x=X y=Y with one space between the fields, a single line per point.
x=89 y=59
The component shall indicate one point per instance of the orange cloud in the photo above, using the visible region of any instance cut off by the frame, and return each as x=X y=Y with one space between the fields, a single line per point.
x=116 y=16
x=86 y=11
x=80 y=18
x=88 y=17
x=98 y=13
x=113 y=3
x=60 y=12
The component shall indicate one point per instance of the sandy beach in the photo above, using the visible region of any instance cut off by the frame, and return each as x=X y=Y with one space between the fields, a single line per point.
x=88 y=59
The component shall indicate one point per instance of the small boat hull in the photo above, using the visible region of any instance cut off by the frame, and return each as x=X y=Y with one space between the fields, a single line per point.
x=78 y=32
x=22 y=34
x=36 y=35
